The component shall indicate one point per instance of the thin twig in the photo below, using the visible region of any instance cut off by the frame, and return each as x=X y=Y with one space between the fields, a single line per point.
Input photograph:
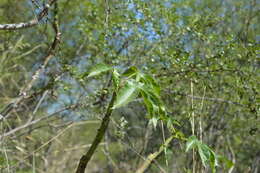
x=200 y=116
x=47 y=142
x=193 y=127
x=200 y=120
x=34 y=122
x=153 y=156
x=142 y=157
x=195 y=71
x=209 y=99
x=81 y=147
x=163 y=135
x=7 y=160
x=232 y=154
x=42 y=146
x=40 y=102
x=31 y=23
x=51 y=52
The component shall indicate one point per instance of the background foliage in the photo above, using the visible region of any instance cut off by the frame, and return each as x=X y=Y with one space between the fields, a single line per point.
x=195 y=64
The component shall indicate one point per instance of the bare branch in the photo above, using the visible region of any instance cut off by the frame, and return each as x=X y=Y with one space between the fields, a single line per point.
x=22 y=25
x=153 y=156
x=206 y=98
x=30 y=123
x=51 y=52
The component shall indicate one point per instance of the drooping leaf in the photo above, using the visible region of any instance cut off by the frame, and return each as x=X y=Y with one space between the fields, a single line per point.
x=204 y=153
x=153 y=102
x=148 y=103
x=191 y=143
x=151 y=83
x=98 y=69
x=213 y=161
x=153 y=121
x=207 y=155
x=126 y=94
x=228 y=163
x=153 y=97
x=130 y=72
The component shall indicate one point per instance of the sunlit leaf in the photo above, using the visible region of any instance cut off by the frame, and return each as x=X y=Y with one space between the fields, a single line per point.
x=98 y=69
x=130 y=72
x=204 y=153
x=191 y=143
x=152 y=84
x=126 y=94
x=116 y=78
x=154 y=121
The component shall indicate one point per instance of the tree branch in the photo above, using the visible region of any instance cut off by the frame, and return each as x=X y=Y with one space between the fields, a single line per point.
x=30 y=123
x=32 y=22
x=153 y=156
x=208 y=99
x=51 y=52
x=99 y=136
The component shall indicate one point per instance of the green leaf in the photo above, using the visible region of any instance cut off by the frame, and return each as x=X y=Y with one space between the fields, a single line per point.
x=130 y=72
x=126 y=94
x=151 y=83
x=204 y=153
x=213 y=161
x=154 y=121
x=98 y=69
x=153 y=102
x=153 y=97
x=207 y=156
x=171 y=123
x=116 y=78
x=191 y=143
x=228 y=163
x=148 y=103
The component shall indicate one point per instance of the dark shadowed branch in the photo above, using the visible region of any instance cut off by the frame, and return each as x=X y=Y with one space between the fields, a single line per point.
x=100 y=134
